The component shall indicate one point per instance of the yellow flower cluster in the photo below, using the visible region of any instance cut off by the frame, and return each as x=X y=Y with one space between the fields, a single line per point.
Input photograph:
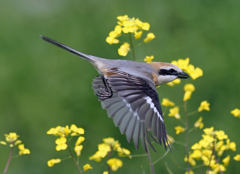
x=12 y=140
x=109 y=145
x=62 y=143
x=188 y=68
x=128 y=25
x=212 y=144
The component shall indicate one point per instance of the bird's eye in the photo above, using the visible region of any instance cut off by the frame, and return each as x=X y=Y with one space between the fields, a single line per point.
x=172 y=71
x=167 y=72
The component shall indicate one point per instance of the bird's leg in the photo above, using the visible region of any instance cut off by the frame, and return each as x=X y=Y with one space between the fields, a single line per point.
x=105 y=92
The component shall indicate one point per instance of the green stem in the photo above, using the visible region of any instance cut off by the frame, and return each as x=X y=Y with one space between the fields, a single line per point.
x=161 y=157
x=109 y=156
x=131 y=43
x=79 y=170
x=8 y=162
x=149 y=159
x=192 y=113
x=187 y=132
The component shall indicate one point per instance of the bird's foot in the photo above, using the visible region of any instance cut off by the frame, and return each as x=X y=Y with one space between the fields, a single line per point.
x=103 y=94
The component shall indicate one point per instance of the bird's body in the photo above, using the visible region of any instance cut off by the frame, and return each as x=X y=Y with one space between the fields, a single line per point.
x=127 y=91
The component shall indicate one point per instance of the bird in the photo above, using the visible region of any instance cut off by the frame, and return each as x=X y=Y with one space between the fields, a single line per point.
x=127 y=90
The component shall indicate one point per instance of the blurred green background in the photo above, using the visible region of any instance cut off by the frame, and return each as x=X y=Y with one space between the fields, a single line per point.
x=42 y=86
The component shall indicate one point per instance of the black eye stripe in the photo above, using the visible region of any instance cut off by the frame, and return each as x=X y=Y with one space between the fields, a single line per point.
x=167 y=72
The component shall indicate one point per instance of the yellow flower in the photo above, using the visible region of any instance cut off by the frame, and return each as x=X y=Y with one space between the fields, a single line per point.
x=123 y=18
x=226 y=160
x=142 y=25
x=105 y=172
x=208 y=130
x=129 y=26
x=230 y=145
x=98 y=156
x=190 y=172
x=3 y=143
x=188 y=88
x=170 y=140
x=167 y=102
x=112 y=40
x=110 y=141
x=122 y=152
x=124 y=49
x=61 y=143
x=104 y=147
x=179 y=129
x=11 y=137
x=59 y=131
x=149 y=59
x=138 y=35
x=207 y=138
x=150 y=36
x=79 y=140
x=76 y=131
x=51 y=162
x=78 y=150
x=236 y=112
x=190 y=160
x=196 y=146
x=17 y=142
x=221 y=135
x=196 y=154
x=114 y=163
x=172 y=83
x=87 y=167
x=204 y=106
x=194 y=73
x=237 y=157
x=23 y=150
x=199 y=123
x=183 y=64
x=217 y=167
x=174 y=112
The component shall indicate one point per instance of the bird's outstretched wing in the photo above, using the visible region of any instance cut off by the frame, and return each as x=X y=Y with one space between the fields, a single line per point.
x=134 y=107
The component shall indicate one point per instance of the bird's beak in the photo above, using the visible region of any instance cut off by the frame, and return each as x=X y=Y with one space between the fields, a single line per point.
x=183 y=75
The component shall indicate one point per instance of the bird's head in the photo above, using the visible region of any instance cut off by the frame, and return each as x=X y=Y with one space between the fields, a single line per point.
x=167 y=72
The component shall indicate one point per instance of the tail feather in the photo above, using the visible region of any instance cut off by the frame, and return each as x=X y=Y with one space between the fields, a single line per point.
x=87 y=57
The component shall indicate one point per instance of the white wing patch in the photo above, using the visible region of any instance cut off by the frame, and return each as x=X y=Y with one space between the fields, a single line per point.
x=149 y=101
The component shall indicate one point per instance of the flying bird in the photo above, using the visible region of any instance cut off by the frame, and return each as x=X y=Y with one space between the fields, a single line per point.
x=127 y=90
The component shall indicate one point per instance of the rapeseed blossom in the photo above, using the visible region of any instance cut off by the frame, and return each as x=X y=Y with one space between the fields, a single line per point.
x=62 y=141
x=236 y=112
x=51 y=162
x=148 y=59
x=188 y=88
x=114 y=163
x=194 y=73
x=150 y=36
x=204 y=106
x=179 y=129
x=203 y=150
x=130 y=26
x=12 y=140
x=87 y=167
x=167 y=102
x=106 y=148
x=174 y=112
x=199 y=124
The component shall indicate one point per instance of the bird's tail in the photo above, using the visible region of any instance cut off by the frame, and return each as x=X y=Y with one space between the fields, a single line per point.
x=91 y=59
